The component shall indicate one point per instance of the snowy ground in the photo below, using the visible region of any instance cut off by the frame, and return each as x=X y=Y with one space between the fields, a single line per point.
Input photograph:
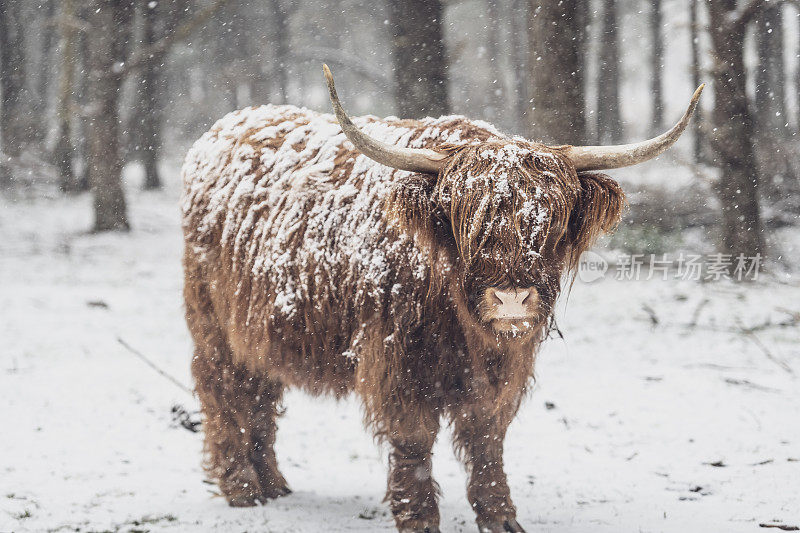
x=630 y=427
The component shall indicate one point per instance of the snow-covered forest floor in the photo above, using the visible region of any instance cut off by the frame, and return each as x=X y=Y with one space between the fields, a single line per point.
x=631 y=426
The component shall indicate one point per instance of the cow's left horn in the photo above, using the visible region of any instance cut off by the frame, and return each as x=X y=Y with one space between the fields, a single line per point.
x=624 y=155
x=412 y=159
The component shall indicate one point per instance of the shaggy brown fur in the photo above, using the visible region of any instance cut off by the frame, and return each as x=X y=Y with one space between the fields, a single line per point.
x=308 y=265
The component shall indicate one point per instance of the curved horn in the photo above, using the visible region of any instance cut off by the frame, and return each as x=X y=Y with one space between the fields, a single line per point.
x=623 y=155
x=412 y=159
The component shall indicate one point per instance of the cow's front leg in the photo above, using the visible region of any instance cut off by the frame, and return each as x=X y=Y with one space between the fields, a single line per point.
x=411 y=492
x=478 y=438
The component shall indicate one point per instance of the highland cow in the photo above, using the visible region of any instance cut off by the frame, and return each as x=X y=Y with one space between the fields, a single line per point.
x=415 y=263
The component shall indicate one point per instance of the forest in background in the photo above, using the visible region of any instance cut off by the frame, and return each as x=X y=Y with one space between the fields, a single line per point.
x=666 y=398
x=87 y=86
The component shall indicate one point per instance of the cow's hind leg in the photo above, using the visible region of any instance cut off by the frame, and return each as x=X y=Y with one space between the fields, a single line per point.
x=240 y=409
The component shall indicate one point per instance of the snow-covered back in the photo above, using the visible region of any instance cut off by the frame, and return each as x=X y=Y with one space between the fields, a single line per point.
x=267 y=181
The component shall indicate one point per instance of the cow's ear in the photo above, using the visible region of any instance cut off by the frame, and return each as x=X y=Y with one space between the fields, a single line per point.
x=597 y=210
x=409 y=207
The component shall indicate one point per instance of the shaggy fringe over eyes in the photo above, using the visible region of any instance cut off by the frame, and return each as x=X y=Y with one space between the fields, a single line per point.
x=598 y=211
x=509 y=205
x=485 y=187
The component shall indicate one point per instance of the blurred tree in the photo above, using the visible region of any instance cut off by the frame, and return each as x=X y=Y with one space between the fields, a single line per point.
x=697 y=123
x=609 y=123
x=733 y=127
x=250 y=56
x=159 y=20
x=419 y=58
x=770 y=101
x=280 y=16
x=110 y=26
x=657 y=66
x=14 y=113
x=498 y=94
x=257 y=63
x=556 y=70
x=151 y=93
x=81 y=96
x=518 y=22
x=797 y=71
x=45 y=16
x=108 y=62
x=225 y=45
x=63 y=151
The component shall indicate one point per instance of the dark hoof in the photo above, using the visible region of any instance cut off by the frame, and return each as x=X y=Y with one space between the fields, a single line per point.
x=271 y=493
x=427 y=529
x=507 y=526
x=251 y=500
x=243 y=500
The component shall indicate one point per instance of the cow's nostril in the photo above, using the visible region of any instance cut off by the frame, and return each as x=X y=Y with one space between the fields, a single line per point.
x=525 y=295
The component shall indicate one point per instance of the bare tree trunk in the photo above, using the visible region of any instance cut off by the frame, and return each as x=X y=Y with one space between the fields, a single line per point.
x=770 y=101
x=43 y=73
x=518 y=21
x=733 y=126
x=64 y=151
x=657 y=66
x=81 y=95
x=418 y=57
x=150 y=102
x=281 y=43
x=258 y=76
x=797 y=72
x=609 y=123
x=111 y=23
x=13 y=125
x=160 y=22
x=556 y=71
x=497 y=89
x=697 y=123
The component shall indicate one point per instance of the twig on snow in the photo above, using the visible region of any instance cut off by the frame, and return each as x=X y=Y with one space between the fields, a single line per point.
x=651 y=314
x=750 y=334
x=183 y=418
x=696 y=315
x=155 y=367
x=783 y=527
x=749 y=384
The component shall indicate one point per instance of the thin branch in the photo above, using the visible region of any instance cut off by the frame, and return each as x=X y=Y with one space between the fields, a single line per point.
x=781 y=363
x=654 y=321
x=748 y=332
x=783 y=527
x=157 y=50
x=696 y=315
x=31 y=164
x=748 y=12
x=743 y=16
x=152 y=365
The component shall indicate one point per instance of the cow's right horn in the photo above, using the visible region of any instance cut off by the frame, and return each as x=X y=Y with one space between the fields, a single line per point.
x=624 y=155
x=411 y=159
